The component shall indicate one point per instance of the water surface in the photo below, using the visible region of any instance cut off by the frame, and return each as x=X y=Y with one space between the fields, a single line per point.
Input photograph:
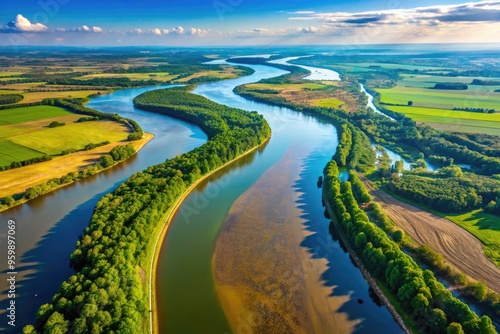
x=186 y=292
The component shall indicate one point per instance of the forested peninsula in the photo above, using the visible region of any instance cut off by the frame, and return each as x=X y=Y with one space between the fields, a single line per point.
x=107 y=294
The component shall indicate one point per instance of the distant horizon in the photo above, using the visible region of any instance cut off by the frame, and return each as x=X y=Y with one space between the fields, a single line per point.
x=497 y=44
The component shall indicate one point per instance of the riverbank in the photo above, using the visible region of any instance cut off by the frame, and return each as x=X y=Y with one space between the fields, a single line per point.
x=153 y=253
x=17 y=180
x=374 y=285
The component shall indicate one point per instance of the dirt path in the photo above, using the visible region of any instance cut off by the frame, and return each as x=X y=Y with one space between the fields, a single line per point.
x=266 y=281
x=460 y=249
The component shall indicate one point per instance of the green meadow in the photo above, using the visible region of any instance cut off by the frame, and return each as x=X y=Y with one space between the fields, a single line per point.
x=446 y=99
x=24 y=133
x=21 y=115
x=10 y=152
x=395 y=66
x=485 y=227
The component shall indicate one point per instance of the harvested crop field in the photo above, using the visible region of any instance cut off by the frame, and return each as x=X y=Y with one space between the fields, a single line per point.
x=459 y=248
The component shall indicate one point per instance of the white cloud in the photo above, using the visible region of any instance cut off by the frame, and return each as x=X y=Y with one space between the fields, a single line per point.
x=197 y=31
x=179 y=30
x=482 y=11
x=86 y=28
x=172 y=31
x=22 y=24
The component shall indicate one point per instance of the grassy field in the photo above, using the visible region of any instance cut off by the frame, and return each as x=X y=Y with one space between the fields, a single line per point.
x=17 y=180
x=435 y=107
x=228 y=73
x=9 y=73
x=8 y=91
x=10 y=152
x=468 y=128
x=427 y=81
x=329 y=94
x=24 y=132
x=485 y=227
x=328 y=103
x=9 y=78
x=52 y=141
x=434 y=98
x=453 y=120
x=39 y=96
x=290 y=87
x=393 y=66
x=20 y=115
x=161 y=76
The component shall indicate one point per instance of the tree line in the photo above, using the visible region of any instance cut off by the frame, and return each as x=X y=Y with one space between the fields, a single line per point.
x=430 y=307
x=451 y=86
x=10 y=98
x=106 y=293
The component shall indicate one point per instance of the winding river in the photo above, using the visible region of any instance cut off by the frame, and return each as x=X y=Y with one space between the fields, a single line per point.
x=274 y=187
x=274 y=193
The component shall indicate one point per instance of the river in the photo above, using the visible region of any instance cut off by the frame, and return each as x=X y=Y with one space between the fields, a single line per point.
x=48 y=227
x=188 y=291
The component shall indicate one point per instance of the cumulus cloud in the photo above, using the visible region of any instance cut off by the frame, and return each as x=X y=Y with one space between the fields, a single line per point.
x=85 y=28
x=171 y=31
x=179 y=30
x=22 y=24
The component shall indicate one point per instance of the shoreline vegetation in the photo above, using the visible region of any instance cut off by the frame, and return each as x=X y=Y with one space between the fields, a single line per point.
x=350 y=152
x=166 y=224
x=136 y=140
x=116 y=241
x=417 y=295
x=371 y=281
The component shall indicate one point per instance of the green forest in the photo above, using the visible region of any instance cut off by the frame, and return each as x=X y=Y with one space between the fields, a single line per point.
x=106 y=293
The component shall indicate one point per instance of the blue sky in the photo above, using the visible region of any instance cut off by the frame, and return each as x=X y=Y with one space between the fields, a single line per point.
x=246 y=22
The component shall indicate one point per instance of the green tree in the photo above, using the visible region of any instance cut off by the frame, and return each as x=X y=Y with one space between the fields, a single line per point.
x=419 y=303
x=399 y=166
x=28 y=329
x=398 y=235
x=56 y=324
x=360 y=241
x=106 y=160
x=454 y=328
x=437 y=321
x=486 y=326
